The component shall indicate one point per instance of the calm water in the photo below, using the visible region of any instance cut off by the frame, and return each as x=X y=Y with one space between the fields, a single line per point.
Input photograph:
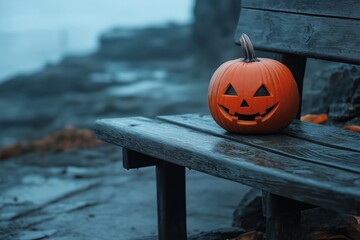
x=34 y=32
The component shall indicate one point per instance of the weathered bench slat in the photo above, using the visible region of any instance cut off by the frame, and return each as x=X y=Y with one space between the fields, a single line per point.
x=325 y=135
x=277 y=143
x=311 y=36
x=321 y=134
x=289 y=177
x=333 y=8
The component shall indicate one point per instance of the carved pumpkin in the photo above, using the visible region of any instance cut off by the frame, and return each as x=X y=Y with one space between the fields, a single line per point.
x=253 y=95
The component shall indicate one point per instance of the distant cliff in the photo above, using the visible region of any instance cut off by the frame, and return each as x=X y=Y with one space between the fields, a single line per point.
x=213 y=30
x=149 y=43
x=208 y=42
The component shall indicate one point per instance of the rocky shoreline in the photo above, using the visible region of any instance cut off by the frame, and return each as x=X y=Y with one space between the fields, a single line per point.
x=79 y=90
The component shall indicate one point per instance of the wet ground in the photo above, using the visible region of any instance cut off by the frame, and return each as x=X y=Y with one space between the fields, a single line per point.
x=81 y=90
x=88 y=195
x=85 y=193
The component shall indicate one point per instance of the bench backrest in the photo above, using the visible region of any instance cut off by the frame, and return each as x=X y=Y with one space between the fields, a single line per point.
x=298 y=29
x=324 y=29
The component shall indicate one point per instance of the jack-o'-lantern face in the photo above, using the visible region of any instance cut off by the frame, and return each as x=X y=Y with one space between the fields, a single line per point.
x=248 y=107
x=253 y=95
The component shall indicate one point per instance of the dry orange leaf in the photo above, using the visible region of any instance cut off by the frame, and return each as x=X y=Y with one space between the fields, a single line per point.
x=315 y=118
x=354 y=128
x=253 y=235
x=61 y=141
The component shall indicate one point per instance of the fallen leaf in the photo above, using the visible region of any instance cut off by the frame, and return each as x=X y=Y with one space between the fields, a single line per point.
x=61 y=141
x=315 y=118
x=11 y=151
x=354 y=128
x=253 y=235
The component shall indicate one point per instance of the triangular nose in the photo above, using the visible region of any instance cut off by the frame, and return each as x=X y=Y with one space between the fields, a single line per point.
x=244 y=103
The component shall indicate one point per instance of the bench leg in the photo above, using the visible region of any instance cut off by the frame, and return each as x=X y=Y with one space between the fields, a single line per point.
x=283 y=217
x=170 y=180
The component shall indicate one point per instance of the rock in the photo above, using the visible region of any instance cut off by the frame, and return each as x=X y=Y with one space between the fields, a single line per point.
x=316 y=221
x=70 y=75
x=162 y=42
x=335 y=91
x=212 y=37
x=353 y=226
x=248 y=214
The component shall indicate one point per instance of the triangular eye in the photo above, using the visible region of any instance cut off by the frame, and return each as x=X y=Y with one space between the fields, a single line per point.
x=231 y=91
x=244 y=103
x=262 y=91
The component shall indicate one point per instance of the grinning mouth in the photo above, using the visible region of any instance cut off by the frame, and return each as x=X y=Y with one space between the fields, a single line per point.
x=250 y=117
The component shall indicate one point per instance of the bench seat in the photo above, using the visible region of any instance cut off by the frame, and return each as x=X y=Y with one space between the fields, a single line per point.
x=306 y=162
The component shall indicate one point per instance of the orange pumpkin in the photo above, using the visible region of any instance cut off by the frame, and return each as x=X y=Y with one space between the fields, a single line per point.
x=253 y=95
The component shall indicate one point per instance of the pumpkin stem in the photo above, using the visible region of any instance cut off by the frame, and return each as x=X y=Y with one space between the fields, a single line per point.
x=248 y=49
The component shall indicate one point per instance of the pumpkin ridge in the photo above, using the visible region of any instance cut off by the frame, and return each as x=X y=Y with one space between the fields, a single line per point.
x=215 y=83
x=272 y=79
x=269 y=81
x=239 y=81
x=277 y=84
x=281 y=68
x=286 y=75
x=267 y=74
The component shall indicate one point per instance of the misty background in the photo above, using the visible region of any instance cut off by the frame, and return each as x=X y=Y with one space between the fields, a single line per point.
x=121 y=58
x=126 y=58
x=35 y=32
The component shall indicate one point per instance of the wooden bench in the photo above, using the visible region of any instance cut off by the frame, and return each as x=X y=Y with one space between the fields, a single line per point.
x=305 y=165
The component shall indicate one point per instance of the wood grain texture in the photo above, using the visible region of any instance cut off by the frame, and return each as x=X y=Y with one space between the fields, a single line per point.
x=333 y=8
x=312 y=183
x=311 y=36
x=321 y=134
x=324 y=135
x=280 y=143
